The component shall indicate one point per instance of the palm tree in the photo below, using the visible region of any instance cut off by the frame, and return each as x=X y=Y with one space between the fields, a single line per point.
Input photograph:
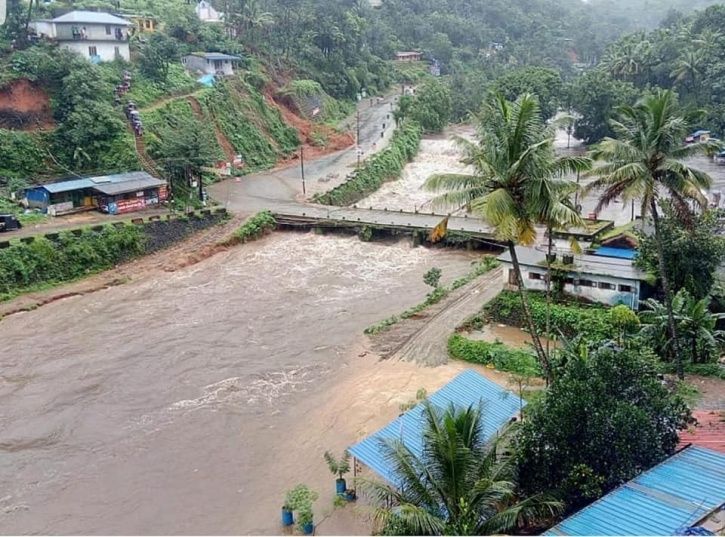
x=695 y=322
x=516 y=183
x=689 y=68
x=627 y=60
x=459 y=485
x=643 y=163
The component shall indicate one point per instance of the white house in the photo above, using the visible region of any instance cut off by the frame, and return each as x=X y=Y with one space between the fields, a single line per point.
x=210 y=63
x=100 y=37
x=599 y=279
x=206 y=12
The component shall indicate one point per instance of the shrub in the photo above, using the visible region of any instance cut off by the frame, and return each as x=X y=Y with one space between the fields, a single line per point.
x=381 y=167
x=594 y=322
x=497 y=354
x=45 y=262
x=254 y=228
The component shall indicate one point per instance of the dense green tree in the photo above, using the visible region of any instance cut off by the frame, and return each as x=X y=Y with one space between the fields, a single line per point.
x=459 y=485
x=699 y=338
x=156 y=55
x=643 y=164
x=545 y=83
x=692 y=253
x=431 y=108
x=595 y=96
x=516 y=184
x=605 y=418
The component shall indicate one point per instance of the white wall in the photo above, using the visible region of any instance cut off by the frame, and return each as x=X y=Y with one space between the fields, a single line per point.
x=611 y=297
x=105 y=49
x=196 y=63
x=98 y=32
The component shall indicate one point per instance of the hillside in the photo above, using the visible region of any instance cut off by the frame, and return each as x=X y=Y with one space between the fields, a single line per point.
x=245 y=115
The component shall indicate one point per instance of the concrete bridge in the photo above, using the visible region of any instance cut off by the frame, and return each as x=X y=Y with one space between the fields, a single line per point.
x=323 y=216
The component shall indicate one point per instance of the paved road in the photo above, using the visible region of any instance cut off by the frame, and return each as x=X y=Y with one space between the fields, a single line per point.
x=276 y=188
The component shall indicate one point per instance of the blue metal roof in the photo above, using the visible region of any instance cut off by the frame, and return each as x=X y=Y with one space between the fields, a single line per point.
x=619 y=253
x=468 y=388
x=677 y=492
x=91 y=182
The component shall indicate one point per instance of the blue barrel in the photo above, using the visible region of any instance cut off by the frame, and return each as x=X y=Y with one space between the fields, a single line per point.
x=340 y=487
x=308 y=528
x=287 y=517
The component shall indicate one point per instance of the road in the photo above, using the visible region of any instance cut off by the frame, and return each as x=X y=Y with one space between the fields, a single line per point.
x=275 y=188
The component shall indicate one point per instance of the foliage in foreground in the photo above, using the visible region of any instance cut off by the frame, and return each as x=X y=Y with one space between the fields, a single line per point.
x=44 y=262
x=460 y=485
x=377 y=169
x=605 y=418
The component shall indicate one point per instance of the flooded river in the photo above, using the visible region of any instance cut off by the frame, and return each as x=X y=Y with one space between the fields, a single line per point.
x=166 y=405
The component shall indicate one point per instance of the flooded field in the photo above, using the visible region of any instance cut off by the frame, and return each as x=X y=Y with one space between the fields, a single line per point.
x=170 y=404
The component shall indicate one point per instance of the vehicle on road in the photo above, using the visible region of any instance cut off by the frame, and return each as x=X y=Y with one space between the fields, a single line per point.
x=8 y=222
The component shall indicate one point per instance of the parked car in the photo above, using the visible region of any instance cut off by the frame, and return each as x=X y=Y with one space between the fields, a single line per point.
x=8 y=222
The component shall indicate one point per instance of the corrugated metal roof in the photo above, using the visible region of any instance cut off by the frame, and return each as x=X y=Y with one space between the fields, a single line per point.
x=677 y=492
x=468 y=388
x=583 y=264
x=618 y=253
x=215 y=56
x=91 y=17
x=111 y=189
x=93 y=182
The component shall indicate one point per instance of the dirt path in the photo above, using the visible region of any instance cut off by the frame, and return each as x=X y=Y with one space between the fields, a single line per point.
x=423 y=338
x=222 y=140
x=191 y=250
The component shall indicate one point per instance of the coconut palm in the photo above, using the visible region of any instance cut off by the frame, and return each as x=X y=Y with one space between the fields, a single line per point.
x=517 y=183
x=458 y=485
x=695 y=322
x=688 y=68
x=643 y=163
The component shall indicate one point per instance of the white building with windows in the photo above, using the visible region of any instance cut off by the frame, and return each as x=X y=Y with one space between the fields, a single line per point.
x=210 y=63
x=100 y=37
x=606 y=280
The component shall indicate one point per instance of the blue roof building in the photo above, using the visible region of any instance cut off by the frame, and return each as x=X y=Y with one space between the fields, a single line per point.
x=668 y=499
x=468 y=388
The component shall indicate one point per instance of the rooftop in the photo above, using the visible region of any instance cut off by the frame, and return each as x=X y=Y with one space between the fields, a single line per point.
x=709 y=431
x=91 y=17
x=583 y=264
x=215 y=56
x=676 y=493
x=100 y=181
x=468 y=388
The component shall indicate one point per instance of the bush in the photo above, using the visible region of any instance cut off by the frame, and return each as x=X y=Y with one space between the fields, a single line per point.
x=502 y=357
x=44 y=262
x=382 y=167
x=594 y=322
x=254 y=228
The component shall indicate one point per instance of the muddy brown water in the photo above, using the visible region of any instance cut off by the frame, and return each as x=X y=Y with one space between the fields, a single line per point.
x=165 y=405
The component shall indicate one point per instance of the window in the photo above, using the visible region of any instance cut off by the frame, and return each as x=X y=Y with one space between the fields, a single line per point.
x=92 y=51
x=626 y=289
x=608 y=286
x=148 y=24
x=568 y=281
x=587 y=283
x=535 y=276
x=108 y=29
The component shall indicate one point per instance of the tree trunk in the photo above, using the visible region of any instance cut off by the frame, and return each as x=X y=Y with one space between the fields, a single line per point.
x=540 y=354
x=668 y=293
x=548 y=291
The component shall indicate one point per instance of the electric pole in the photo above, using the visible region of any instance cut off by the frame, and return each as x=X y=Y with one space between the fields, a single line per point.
x=302 y=168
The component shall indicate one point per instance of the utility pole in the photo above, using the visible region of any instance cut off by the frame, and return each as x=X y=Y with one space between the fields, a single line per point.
x=302 y=168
